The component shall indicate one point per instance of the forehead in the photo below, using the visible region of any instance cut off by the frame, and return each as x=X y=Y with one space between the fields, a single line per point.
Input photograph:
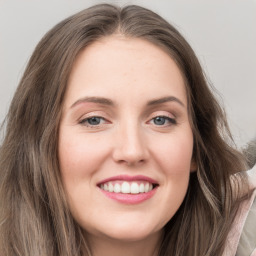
x=121 y=65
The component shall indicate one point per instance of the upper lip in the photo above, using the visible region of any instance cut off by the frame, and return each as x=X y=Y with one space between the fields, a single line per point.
x=129 y=178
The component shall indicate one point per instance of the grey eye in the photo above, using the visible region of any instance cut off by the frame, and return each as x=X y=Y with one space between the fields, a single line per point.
x=159 y=120
x=94 y=120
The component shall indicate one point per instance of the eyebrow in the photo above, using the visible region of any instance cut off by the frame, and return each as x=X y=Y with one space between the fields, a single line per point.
x=108 y=102
x=164 y=100
x=99 y=100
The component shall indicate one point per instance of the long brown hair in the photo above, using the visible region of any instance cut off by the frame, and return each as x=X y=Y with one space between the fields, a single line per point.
x=34 y=214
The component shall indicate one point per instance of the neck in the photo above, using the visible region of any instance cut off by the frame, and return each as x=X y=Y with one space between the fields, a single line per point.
x=113 y=247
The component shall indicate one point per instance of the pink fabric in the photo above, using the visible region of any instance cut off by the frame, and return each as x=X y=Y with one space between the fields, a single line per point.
x=236 y=230
x=253 y=253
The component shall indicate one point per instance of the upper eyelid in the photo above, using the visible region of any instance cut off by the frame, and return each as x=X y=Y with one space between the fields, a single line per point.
x=149 y=114
x=162 y=113
x=93 y=114
x=106 y=116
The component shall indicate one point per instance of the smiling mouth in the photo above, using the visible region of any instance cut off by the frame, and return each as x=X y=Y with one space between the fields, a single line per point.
x=128 y=187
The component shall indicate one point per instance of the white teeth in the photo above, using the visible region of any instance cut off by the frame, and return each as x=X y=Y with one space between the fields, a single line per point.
x=146 y=187
x=126 y=187
x=110 y=187
x=117 y=188
x=135 y=188
x=142 y=188
x=105 y=187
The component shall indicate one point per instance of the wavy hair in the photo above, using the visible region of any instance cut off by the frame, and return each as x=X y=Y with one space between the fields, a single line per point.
x=34 y=213
x=250 y=152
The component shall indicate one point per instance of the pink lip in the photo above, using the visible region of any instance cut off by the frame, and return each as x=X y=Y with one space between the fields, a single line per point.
x=129 y=198
x=128 y=178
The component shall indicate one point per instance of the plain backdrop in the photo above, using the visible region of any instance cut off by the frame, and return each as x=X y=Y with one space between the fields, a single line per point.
x=222 y=33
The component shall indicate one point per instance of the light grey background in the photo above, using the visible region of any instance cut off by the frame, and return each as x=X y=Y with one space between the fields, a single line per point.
x=222 y=33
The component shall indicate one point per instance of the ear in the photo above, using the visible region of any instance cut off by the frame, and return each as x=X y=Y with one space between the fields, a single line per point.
x=193 y=165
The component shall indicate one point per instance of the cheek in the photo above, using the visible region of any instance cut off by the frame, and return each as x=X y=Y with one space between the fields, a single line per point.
x=79 y=157
x=174 y=154
x=79 y=160
x=175 y=160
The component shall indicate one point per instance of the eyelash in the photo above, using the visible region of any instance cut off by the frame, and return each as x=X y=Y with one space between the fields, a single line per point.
x=85 y=122
x=172 y=121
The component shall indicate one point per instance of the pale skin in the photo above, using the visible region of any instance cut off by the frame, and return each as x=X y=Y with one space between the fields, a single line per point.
x=125 y=113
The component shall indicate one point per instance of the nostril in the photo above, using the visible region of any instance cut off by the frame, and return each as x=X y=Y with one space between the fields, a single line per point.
x=132 y=162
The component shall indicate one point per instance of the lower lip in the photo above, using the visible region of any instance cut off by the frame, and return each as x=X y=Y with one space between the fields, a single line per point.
x=130 y=198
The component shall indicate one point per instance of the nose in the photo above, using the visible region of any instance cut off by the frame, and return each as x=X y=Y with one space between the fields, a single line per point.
x=130 y=146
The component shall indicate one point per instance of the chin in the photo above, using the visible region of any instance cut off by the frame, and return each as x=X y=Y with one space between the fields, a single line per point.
x=129 y=233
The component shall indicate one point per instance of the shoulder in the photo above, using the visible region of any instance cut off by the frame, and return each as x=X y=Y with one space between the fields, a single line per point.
x=241 y=240
x=247 y=241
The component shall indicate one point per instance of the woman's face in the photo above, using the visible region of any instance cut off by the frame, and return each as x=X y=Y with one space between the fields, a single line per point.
x=125 y=145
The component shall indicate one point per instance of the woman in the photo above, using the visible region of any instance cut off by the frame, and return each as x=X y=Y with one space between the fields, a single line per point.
x=115 y=145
